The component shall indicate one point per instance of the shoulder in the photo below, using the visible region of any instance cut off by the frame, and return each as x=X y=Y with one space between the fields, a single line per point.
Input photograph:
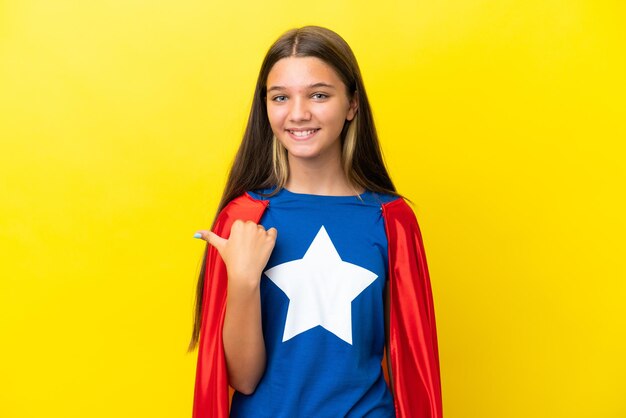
x=244 y=201
x=263 y=194
x=399 y=209
x=401 y=224
x=380 y=198
x=244 y=207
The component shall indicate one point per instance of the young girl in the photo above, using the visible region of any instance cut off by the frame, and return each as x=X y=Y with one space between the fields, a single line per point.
x=314 y=265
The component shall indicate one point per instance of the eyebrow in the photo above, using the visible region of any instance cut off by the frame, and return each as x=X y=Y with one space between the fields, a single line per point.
x=310 y=86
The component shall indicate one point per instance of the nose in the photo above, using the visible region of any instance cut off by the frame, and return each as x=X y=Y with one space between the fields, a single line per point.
x=299 y=110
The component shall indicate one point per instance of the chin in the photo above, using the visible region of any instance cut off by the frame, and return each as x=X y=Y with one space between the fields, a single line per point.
x=303 y=155
x=302 y=150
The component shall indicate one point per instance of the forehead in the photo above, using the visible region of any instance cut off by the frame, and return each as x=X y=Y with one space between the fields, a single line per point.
x=294 y=72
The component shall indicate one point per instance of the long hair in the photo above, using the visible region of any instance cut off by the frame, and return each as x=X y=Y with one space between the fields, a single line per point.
x=261 y=161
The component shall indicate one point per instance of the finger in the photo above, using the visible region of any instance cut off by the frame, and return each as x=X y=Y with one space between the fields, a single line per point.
x=272 y=232
x=216 y=241
x=202 y=234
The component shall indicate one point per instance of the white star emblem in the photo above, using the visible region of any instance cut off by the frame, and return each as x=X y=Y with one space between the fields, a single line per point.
x=321 y=288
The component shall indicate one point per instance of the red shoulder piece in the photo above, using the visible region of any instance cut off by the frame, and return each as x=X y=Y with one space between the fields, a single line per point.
x=413 y=336
x=211 y=398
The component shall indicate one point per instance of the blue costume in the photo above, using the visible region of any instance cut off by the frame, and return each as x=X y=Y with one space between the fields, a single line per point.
x=324 y=248
x=322 y=310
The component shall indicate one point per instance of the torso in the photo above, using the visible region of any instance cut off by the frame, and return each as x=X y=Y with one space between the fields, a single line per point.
x=322 y=310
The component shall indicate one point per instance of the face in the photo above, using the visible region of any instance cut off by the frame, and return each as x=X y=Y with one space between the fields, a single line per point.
x=307 y=106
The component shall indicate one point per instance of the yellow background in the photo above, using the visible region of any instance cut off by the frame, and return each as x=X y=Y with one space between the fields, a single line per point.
x=502 y=120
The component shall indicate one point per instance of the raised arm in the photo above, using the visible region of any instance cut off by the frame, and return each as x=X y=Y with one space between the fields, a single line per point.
x=245 y=254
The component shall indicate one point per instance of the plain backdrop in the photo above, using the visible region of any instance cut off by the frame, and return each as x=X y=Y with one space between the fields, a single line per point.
x=503 y=121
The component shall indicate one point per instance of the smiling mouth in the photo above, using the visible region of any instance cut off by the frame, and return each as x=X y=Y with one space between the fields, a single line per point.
x=302 y=134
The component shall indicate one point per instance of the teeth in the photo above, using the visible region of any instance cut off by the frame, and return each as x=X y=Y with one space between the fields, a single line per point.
x=303 y=133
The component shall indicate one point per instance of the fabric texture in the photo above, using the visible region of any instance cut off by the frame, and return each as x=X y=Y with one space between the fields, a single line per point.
x=413 y=340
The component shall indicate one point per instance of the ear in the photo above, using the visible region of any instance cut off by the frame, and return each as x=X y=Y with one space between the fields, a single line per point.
x=354 y=106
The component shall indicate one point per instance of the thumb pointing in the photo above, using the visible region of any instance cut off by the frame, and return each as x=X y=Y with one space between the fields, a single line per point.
x=216 y=241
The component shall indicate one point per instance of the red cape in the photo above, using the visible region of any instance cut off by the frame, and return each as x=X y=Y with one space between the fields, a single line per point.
x=412 y=337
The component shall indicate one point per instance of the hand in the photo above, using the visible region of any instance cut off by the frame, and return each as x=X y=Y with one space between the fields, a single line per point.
x=245 y=252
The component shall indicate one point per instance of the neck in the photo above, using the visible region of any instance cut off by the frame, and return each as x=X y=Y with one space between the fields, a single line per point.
x=324 y=177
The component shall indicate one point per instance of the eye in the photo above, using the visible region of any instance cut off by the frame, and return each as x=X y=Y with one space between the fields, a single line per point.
x=320 y=96
x=279 y=98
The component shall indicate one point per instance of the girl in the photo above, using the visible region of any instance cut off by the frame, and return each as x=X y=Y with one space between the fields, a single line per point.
x=314 y=265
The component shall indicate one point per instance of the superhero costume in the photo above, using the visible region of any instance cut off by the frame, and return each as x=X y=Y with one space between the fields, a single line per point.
x=413 y=341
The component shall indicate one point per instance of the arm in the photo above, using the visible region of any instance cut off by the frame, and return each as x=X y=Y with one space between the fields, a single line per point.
x=245 y=254
x=244 y=346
